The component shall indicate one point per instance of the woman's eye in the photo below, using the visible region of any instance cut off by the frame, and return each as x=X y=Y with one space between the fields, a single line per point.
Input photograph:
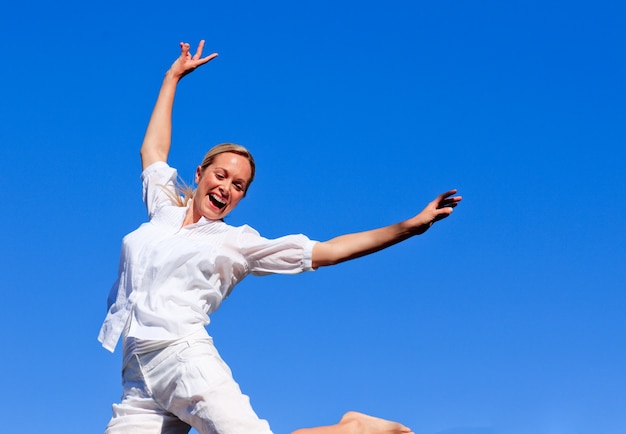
x=219 y=176
x=239 y=187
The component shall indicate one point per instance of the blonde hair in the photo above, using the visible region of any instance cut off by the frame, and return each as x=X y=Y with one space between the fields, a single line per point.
x=183 y=192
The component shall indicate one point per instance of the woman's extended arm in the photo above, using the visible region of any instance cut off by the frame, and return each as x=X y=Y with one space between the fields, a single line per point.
x=156 y=142
x=350 y=246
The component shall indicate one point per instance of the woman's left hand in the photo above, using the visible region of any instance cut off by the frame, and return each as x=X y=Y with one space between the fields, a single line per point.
x=350 y=246
x=440 y=208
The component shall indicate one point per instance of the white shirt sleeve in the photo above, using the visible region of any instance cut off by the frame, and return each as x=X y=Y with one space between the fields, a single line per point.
x=157 y=180
x=290 y=254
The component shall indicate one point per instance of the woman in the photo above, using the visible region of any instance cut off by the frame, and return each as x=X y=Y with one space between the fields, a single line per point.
x=176 y=269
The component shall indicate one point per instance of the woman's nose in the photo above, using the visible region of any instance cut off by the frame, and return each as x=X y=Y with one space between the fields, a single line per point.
x=225 y=188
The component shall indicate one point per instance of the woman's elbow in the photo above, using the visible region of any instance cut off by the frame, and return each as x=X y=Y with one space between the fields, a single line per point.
x=325 y=254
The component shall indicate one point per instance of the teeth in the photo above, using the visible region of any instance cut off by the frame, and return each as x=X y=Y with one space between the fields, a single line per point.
x=219 y=202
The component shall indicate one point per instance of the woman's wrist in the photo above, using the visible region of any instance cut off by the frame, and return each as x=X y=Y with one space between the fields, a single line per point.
x=172 y=77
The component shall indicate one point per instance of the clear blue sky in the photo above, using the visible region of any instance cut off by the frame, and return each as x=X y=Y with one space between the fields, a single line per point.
x=507 y=318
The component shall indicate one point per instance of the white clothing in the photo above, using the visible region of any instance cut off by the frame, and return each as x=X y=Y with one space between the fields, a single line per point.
x=186 y=384
x=171 y=277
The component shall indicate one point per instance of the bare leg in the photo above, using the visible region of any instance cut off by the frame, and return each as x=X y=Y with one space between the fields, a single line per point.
x=358 y=423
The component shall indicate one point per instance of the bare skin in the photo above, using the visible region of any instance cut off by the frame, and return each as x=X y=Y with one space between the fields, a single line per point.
x=157 y=140
x=156 y=147
x=351 y=246
x=358 y=423
x=222 y=184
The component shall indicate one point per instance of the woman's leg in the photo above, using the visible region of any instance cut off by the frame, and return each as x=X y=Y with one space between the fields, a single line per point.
x=358 y=423
x=192 y=382
x=139 y=413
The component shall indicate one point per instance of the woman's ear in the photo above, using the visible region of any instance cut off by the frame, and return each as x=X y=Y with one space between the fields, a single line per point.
x=198 y=174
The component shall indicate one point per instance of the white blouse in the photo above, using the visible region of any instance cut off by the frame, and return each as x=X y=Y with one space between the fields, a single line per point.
x=172 y=277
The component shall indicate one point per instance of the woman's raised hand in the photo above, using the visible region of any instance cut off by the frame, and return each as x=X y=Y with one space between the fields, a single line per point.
x=187 y=62
x=156 y=142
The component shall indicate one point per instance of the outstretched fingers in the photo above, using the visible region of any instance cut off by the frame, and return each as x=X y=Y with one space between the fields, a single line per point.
x=198 y=56
x=199 y=50
x=444 y=200
x=187 y=62
x=443 y=205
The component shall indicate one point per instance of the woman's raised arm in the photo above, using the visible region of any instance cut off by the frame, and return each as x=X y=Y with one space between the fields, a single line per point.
x=156 y=142
x=350 y=246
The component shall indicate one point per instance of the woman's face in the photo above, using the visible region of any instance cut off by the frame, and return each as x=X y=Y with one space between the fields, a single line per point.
x=221 y=185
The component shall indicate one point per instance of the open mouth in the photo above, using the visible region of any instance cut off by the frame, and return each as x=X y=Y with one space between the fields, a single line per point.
x=216 y=201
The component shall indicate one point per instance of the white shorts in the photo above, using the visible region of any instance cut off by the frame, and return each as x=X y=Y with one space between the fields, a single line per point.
x=184 y=385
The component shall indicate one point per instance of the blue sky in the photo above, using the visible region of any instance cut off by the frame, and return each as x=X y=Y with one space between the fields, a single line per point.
x=507 y=318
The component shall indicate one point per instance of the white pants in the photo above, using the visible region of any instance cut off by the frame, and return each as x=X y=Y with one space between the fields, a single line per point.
x=187 y=384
